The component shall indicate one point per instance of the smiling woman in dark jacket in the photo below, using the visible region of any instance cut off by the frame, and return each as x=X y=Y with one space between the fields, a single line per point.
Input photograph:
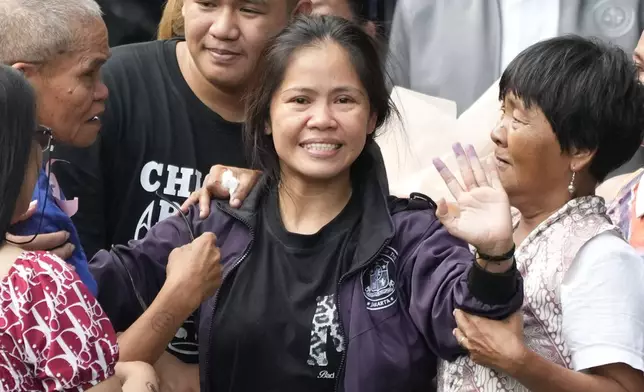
x=327 y=283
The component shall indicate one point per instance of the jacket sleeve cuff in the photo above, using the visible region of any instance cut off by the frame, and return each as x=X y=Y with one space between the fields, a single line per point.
x=491 y=288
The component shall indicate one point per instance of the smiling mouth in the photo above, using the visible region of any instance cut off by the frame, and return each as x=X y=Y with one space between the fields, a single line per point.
x=321 y=146
x=223 y=52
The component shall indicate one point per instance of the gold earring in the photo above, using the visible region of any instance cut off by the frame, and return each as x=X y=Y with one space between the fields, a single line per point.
x=571 y=186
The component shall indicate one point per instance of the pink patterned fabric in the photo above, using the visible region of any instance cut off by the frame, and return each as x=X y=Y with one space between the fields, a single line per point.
x=54 y=336
x=543 y=259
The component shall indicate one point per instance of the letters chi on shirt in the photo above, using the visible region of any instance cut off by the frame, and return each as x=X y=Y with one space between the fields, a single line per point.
x=177 y=183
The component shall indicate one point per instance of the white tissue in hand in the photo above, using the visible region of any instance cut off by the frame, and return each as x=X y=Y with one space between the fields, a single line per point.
x=229 y=181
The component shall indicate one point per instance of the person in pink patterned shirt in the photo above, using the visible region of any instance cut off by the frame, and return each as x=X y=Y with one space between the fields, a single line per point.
x=54 y=336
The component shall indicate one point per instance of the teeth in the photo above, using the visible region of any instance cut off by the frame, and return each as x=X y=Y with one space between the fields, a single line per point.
x=95 y=118
x=321 y=146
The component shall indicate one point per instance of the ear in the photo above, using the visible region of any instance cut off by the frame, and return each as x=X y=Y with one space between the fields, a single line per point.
x=29 y=70
x=371 y=127
x=267 y=130
x=183 y=10
x=302 y=7
x=581 y=159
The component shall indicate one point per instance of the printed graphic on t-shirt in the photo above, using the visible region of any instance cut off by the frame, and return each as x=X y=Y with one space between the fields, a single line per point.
x=176 y=183
x=172 y=181
x=325 y=324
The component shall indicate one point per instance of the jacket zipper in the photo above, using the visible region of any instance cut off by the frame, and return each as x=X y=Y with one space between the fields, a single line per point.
x=337 y=298
x=223 y=279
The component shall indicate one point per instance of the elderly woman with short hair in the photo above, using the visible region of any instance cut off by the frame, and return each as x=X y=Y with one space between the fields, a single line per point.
x=573 y=111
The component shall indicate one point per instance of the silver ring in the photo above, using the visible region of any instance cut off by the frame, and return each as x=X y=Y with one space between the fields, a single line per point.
x=460 y=341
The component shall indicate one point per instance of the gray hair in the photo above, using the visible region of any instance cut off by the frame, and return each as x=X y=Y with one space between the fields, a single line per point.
x=38 y=30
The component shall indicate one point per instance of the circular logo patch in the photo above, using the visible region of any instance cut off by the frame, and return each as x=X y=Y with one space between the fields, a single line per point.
x=614 y=18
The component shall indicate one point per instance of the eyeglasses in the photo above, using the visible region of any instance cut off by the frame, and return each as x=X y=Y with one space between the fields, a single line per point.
x=44 y=137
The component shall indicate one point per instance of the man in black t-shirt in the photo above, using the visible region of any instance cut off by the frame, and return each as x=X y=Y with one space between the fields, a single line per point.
x=174 y=111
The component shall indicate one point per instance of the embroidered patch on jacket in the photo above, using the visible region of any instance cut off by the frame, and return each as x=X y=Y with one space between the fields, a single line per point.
x=378 y=283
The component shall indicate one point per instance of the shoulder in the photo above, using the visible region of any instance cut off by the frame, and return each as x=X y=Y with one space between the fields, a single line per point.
x=417 y=207
x=602 y=296
x=608 y=249
x=137 y=53
x=613 y=189
x=415 y=223
x=135 y=65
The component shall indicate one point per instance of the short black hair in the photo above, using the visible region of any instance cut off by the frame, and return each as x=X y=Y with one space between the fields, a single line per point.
x=306 y=31
x=588 y=91
x=17 y=129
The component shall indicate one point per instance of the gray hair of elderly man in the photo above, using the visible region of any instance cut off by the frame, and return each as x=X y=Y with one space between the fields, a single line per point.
x=35 y=31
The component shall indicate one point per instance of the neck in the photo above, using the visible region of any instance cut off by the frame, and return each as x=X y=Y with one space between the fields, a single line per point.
x=306 y=207
x=227 y=104
x=534 y=213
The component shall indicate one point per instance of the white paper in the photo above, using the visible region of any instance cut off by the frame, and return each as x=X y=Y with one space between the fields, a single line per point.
x=428 y=129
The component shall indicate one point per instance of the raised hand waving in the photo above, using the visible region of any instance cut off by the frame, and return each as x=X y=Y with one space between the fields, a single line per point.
x=481 y=215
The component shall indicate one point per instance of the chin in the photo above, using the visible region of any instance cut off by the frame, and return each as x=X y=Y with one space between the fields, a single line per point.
x=84 y=138
x=232 y=78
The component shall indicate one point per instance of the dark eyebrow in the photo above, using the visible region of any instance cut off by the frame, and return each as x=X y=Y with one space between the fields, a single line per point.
x=337 y=90
x=255 y=2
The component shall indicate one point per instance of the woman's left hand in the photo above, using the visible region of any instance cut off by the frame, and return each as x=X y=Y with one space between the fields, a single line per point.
x=494 y=344
x=481 y=215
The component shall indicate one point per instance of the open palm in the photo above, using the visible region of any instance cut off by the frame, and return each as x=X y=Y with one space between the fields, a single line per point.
x=481 y=215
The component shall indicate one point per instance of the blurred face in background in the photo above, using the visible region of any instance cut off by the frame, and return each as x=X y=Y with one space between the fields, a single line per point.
x=638 y=57
x=342 y=8
x=339 y=8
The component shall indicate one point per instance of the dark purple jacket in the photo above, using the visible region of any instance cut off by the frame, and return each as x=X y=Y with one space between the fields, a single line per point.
x=396 y=302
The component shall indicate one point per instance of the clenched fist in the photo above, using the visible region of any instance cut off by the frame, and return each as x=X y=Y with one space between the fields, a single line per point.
x=195 y=269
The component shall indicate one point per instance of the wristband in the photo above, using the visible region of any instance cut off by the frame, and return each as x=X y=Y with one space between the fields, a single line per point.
x=503 y=257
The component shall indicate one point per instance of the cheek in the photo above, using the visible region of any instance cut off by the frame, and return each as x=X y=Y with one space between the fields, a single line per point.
x=196 y=27
x=286 y=132
x=533 y=153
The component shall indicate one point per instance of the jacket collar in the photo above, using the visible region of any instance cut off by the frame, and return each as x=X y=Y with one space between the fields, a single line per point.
x=376 y=227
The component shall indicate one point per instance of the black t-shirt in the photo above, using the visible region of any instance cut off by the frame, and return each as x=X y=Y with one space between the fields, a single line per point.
x=157 y=136
x=276 y=327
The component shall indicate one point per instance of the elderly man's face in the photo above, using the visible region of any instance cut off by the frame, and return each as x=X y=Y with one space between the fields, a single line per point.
x=71 y=96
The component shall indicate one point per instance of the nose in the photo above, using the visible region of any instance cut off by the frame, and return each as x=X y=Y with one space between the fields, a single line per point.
x=321 y=117
x=499 y=134
x=101 y=92
x=225 y=25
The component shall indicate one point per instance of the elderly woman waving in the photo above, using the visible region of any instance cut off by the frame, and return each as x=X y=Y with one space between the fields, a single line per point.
x=572 y=111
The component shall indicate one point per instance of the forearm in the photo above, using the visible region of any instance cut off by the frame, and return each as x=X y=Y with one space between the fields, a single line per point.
x=148 y=337
x=540 y=375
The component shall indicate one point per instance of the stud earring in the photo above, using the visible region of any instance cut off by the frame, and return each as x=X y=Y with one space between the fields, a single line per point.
x=571 y=186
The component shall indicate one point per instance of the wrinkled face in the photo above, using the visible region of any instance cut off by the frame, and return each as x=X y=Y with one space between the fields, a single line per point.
x=638 y=57
x=29 y=183
x=528 y=154
x=339 y=8
x=226 y=37
x=320 y=114
x=70 y=94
